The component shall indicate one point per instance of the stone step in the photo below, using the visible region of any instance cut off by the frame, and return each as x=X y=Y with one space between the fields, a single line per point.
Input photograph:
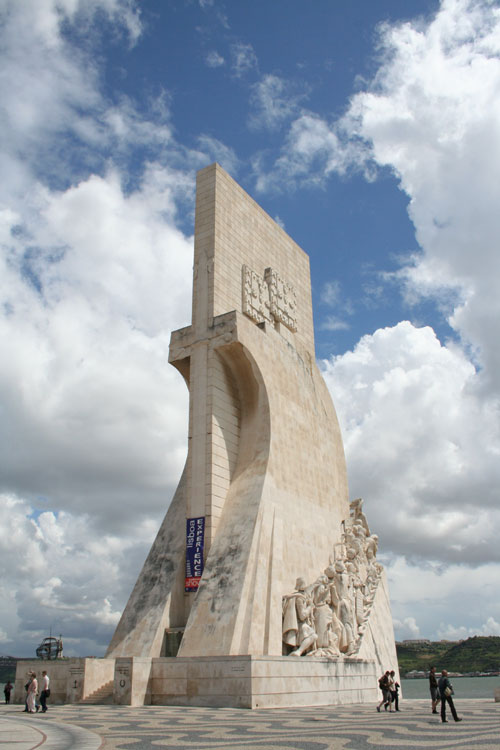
x=102 y=696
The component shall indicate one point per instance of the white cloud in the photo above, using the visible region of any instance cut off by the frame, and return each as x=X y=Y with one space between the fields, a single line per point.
x=330 y=293
x=94 y=275
x=420 y=417
x=333 y=323
x=313 y=150
x=89 y=402
x=243 y=57
x=214 y=60
x=432 y=116
x=35 y=60
x=406 y=629
x=58 y=576
x=453 y=601
x=422 y=446
x=62 y=128
x=215 y=150
x=47 y=16
x=274 y=101
x=309 y=142
x=453 y=633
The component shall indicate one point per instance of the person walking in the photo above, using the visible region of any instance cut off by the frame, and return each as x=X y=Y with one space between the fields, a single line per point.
x=45 y=691
x=433 y=687
x=446 y=691
x=7 y=691
x=32 y=691
x=383 y=684
x=390 y=688
x=394 y=688
x=27 y=688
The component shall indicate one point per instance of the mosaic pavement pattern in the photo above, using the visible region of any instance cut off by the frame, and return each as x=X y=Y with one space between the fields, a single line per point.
x=326 y=728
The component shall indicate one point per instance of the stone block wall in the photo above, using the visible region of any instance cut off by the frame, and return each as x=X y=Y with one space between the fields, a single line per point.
x=71 y=680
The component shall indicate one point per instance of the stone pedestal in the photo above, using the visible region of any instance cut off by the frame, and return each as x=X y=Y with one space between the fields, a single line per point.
x=262 y=681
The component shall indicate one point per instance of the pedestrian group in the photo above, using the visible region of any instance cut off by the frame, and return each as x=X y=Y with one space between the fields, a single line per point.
x=390 y=691
x=31 y=705
x=441 y=692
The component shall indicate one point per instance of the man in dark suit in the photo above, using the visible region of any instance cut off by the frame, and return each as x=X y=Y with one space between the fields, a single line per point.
x=446 y=691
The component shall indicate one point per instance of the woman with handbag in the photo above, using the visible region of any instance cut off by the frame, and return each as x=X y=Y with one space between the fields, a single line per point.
x=446 y=691
x=32 y=691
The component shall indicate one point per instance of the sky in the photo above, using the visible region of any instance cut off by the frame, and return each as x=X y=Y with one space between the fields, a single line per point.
x=371 y=132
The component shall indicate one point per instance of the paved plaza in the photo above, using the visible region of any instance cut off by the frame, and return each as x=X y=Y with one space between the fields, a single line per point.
x=355 y=727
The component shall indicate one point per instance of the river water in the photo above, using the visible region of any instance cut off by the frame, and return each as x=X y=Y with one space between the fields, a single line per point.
x=464 y=687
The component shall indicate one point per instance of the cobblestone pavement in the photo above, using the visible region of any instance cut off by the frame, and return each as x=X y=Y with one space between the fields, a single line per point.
x=20 y=731
x=357 y=727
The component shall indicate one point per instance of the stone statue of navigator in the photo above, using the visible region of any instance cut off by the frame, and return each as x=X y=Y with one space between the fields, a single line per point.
x=297 y=620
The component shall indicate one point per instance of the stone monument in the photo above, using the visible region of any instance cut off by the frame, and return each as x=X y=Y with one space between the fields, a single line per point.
x=262 y=587
x=262 y=504
x=265 y=473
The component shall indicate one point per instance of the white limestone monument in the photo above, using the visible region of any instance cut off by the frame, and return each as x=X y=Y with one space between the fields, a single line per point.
x=262 y=587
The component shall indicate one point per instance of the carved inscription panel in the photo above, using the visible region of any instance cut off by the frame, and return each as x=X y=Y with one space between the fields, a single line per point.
x=256 y=302
x=269 y=299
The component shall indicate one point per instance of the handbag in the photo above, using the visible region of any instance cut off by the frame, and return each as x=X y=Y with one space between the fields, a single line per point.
x=448 y=691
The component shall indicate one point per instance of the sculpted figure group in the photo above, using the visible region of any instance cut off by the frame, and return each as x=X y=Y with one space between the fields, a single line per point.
x=328 y=617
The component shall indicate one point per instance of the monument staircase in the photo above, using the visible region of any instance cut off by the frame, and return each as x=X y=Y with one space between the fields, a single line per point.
x=100 y=697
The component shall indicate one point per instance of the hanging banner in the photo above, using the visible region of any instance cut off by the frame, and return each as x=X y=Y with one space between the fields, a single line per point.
x=195 y=535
